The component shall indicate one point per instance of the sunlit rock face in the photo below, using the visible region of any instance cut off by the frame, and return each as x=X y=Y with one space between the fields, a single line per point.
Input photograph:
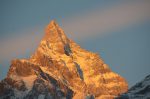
x=58 y=69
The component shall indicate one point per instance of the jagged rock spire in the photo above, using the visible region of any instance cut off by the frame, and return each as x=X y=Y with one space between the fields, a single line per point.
x=55 y=33
x=51 y=26
x=55 y=39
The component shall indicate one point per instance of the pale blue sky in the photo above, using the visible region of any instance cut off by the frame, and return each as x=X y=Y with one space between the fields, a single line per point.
x=118 y=30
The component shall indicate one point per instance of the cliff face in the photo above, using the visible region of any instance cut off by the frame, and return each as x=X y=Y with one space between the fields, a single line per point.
x=58 y=69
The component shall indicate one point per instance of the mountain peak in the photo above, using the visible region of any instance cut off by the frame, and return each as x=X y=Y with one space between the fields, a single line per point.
x=51 y=27
x=56 y=38
x=53 y=23
x=60 y=68
x=54 y=32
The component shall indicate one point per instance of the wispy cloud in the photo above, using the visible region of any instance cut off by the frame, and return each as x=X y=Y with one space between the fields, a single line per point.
x=99 y=21
x=19 y=45
x=85 y=25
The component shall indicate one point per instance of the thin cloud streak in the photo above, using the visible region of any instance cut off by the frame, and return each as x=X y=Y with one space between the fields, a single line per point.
x=84 y=26
x=14 y=47
x=99 y=21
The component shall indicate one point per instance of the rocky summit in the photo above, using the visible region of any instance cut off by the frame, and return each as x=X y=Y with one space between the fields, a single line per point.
x=61 y=69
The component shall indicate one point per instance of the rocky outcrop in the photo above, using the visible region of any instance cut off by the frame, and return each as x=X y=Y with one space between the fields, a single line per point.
x=60 y=68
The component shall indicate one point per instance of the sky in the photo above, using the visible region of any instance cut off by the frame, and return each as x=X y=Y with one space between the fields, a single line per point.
x=118 y=30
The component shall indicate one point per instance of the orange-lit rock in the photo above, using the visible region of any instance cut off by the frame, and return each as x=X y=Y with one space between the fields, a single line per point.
x=66 y=69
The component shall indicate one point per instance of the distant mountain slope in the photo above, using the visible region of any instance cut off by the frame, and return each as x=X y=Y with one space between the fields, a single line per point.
x=61 y=69
x=139 y=91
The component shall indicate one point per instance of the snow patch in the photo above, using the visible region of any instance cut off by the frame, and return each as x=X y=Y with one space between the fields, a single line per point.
x=29 y=81
x=41 y=96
